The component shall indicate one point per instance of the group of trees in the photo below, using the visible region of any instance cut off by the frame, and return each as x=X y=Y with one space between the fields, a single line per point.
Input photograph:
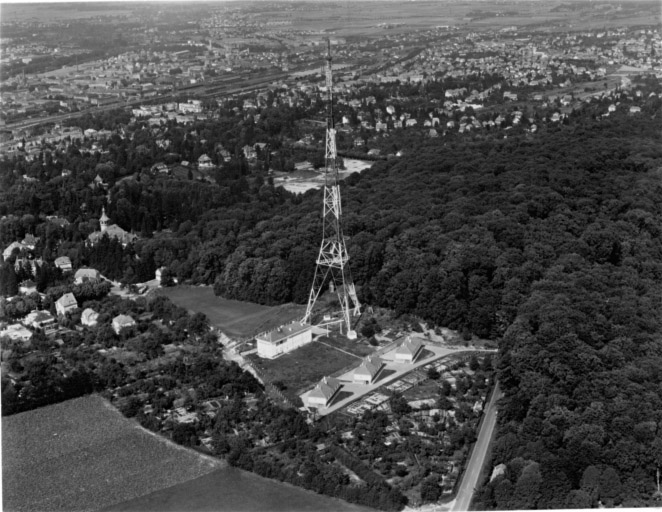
x=550 y=243
x=44 y=378
x=293 y=455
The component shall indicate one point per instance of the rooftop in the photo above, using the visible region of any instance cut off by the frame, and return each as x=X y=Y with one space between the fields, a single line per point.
x=325 y=389
x=283 y=332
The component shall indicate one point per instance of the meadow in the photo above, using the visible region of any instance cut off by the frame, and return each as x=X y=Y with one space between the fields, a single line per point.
x=302 y=369
x=235 y=318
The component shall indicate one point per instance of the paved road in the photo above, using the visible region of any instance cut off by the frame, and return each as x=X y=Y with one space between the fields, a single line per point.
x=398 y=370
x=473 y=469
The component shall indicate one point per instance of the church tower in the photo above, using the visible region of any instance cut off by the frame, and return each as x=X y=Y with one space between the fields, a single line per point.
x=104 y=219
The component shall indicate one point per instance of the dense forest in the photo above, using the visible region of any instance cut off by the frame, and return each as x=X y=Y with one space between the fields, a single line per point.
x=549 y=243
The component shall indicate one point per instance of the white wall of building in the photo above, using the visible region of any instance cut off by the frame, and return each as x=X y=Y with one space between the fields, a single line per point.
x=270 y=350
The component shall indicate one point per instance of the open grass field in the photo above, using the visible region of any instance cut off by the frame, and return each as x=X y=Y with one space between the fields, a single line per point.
x=84 y=455
x=301 y=369
x=233 y=317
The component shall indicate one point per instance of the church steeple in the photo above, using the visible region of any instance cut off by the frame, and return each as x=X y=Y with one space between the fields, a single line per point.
x=104 y=219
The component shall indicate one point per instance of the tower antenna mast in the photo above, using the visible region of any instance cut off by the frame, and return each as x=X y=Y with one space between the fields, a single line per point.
x=333 y=259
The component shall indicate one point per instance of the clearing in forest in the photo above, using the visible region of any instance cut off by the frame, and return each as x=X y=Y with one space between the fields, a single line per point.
x=235 y=318
x=301 y=369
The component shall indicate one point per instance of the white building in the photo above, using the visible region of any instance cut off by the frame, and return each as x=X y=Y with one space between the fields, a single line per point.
x=369 y=370
x=39 y=319
x=122 y=322
x=283 y=339
x=89 y=317
x=63 y=263
x=14 y=245
x=409 y=351
x=16 y=332
x=65 y=304
x=324 y=392
x=86 y=274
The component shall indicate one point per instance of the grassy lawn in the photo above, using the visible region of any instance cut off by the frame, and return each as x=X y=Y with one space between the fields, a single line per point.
x=360 y=347
x=84 y=455
x=304 y=367
x=233 y=317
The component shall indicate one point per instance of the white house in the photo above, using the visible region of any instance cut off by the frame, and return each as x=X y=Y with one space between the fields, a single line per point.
x=283 y=339
x=16 y=332
x=63 y=263
x=14 y=245
x=89 y=317
x=39 y=319
x=86 y=274
x=122 y=322
x=409 y=351
x=65 y=304
x=324 y=392
x=27 y=287
x=369 y=370
x=204 y=162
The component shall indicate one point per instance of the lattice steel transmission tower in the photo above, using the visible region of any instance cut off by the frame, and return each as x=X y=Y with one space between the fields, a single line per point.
x=333 y=259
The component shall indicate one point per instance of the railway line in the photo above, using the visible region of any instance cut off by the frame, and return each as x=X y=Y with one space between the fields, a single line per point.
x=229 y=85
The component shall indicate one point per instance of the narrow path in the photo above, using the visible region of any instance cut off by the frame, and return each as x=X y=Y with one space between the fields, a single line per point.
x=339 y=349
x=475 y=465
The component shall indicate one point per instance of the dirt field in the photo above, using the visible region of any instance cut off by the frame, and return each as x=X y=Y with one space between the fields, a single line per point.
x=84 y=455
x=233 y=317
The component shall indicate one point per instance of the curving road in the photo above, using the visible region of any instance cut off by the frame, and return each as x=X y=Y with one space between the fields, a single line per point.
x=472 y=472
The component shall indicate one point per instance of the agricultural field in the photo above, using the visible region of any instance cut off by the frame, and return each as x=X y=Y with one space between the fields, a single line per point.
x=84 y=455
x=233 y=317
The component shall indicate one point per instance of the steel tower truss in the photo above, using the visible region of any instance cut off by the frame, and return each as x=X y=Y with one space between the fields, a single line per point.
x=333 y=259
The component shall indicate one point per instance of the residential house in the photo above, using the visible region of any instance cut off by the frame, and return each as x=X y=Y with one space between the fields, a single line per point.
x=27 y=287
x=63 y=263
x=204 y=162
x=121 y=322
x=10 y=249
x=16 y=332
x=86 y=274
x=249 y=152
x=66 y=304
x=30 y=264
x=39 y=319
x=30 y=241
x=160 y=168
x=89 y=317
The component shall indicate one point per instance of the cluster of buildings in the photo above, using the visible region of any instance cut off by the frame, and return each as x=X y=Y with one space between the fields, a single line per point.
x=67 y=303
x=513 y=67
